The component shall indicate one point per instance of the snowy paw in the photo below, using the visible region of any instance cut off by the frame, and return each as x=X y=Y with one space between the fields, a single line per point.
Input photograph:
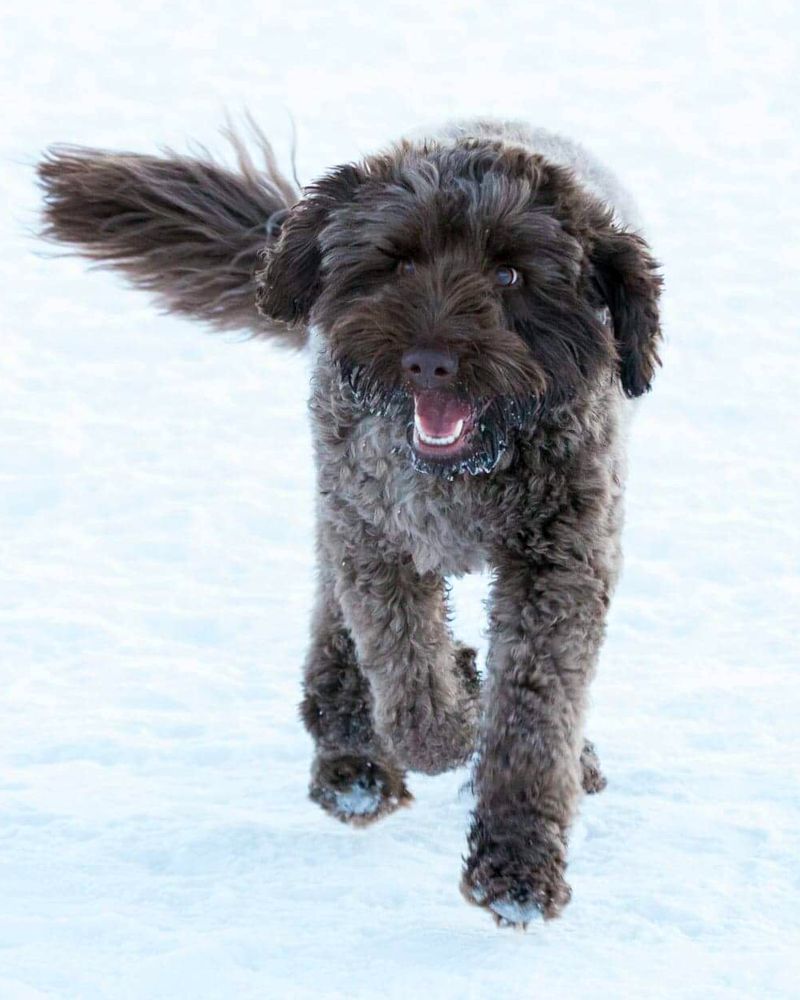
x=592 y=778
x=517 y=879
x=356 y=790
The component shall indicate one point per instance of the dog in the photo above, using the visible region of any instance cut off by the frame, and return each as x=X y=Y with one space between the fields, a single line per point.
x=481 y=310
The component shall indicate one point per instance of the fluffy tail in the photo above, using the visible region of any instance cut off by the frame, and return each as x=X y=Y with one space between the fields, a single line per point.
x=183 y=228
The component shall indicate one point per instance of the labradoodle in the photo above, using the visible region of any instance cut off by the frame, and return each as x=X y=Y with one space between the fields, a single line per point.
x=480 y=310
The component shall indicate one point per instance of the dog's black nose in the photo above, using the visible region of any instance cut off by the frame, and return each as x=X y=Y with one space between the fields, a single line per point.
x=429 y=367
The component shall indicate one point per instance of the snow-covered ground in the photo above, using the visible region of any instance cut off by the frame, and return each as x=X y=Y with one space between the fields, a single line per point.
x=155 y=554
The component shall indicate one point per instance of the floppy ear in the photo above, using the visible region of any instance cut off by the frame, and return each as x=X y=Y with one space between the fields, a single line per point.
x=291 y=279
x=626 y=273
x=184 y=228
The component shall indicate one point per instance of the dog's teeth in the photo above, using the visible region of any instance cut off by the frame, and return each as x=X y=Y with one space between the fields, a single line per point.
x=440 y=441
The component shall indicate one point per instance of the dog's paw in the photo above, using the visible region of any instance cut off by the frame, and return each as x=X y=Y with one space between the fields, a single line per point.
x=441 y=744
x=356 y=790
x=592 y=778
x=517 y=879
x=467 y=669
x=430 y=737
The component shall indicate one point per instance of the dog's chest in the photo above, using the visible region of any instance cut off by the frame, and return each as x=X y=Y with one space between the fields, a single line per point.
x=435 y=521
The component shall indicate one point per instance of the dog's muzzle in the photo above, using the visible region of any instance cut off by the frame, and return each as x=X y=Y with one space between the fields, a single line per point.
x=443 y=424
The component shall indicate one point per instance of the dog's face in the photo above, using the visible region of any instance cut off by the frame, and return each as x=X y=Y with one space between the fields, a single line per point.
x=463 y=290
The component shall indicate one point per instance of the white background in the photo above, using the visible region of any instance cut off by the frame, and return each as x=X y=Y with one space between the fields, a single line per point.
x=155 y=531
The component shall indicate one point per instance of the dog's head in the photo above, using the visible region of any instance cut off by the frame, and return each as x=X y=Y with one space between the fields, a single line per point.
x=463 y=290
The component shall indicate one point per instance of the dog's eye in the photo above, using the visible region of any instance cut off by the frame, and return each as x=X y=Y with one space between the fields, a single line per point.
x=406 y=267
x=506 y=277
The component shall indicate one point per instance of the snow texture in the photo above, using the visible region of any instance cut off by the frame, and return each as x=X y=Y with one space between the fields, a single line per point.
x=155 y=532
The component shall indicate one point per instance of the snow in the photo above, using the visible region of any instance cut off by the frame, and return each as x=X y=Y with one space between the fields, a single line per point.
x=155 y=551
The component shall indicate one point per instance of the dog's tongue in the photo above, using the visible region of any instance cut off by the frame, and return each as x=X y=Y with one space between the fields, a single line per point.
x=438 y=413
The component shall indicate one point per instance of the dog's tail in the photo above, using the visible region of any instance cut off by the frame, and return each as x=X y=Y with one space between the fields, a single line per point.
x=182 y=227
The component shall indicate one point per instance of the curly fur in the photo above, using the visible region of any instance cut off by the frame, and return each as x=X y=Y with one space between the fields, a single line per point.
x=184 y=228
x=379 y=258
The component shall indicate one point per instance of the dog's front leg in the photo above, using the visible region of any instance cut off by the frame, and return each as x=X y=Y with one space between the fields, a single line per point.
x=424 y=685
x=547 y=624
x=353 y=777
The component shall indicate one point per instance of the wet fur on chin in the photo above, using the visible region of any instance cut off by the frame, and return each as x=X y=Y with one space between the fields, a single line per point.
x=545 y=366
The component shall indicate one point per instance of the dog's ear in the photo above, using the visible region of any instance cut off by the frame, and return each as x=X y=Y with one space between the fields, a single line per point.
x=628 y=279
x=182 y=227
x=291 y=279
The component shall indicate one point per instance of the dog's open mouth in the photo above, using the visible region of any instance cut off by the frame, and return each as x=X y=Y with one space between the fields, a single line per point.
x=443 y=425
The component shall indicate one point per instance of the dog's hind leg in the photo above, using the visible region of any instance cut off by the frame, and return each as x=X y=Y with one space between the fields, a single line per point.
x=592 y=778
x=353 y=776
